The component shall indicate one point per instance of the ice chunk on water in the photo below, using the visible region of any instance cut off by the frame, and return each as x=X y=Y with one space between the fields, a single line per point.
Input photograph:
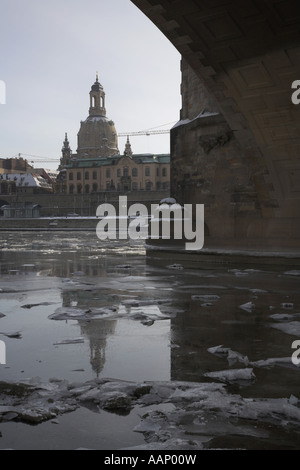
x=232 y=356
x=12 y=334
x=287 y=305
x=290 y=328
x=232 y=375
x=206 y=297
x=70 y=341
x=175 y=266
x=248 y=307
x=273 y=361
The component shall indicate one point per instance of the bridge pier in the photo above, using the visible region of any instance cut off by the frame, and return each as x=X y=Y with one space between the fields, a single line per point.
x=236 y=148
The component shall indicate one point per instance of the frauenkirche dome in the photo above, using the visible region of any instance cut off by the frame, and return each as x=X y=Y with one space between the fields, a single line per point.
x=97 y=136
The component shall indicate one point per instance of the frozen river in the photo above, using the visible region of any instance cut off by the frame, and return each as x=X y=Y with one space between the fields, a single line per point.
x=86 y=322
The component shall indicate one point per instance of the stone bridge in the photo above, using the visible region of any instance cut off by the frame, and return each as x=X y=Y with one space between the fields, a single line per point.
x=236 y=147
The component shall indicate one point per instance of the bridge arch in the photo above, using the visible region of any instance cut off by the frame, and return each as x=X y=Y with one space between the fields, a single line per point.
x=237 y=145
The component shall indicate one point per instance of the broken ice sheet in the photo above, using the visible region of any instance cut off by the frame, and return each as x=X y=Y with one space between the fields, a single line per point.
x=231 y=356
x=175 y=266
x=12 y=334
x=248 y=306
x=206 y=297
x=70 y=341
x=232 y=375
x=73 y=313
x=285 y=316
x=274 y=361
x=290 y=328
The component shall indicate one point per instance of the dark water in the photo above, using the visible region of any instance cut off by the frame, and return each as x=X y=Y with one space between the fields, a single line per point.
x=166 y=318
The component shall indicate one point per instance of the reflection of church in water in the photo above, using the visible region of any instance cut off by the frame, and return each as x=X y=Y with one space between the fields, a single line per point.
x=96 y=331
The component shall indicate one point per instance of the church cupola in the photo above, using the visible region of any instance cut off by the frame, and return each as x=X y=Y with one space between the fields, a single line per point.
x=97 y=99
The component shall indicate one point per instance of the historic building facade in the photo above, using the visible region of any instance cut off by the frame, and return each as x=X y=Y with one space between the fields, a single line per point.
x=98 y=165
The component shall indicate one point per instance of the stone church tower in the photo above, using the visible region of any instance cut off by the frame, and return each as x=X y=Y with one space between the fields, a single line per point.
x=97 y=136
x=66 y=153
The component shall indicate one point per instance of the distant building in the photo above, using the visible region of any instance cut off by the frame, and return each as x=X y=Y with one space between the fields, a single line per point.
x=24 y=183
x=146 y=172
x=98 y=165
x=14 y=165
x=18 y=210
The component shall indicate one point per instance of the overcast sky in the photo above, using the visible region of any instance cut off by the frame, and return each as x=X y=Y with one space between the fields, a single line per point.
x=50 y=51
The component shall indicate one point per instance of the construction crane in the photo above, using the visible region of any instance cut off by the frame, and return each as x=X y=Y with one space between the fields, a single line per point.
x=129 y=134
x=151 y=131
x=37 y=158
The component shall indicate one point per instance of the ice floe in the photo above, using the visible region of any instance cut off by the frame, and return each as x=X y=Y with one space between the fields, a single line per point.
x=206 y=297
x=236 y=357
x=141 y=310
x=248 y=306
x=175 y=266
x=290 y=328
x=181 y=415
x=285 y=316
x=232 y=375
x=69 y=341
x=12 y=334
x=287 y=305
x=231 y=356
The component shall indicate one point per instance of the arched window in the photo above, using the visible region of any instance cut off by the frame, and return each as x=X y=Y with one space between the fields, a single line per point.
x=148 y=185
x=79 y=189
x=71 y=176
x=95 y=187
x=71 y=190
x=125 y=172
x=119 y=173
x=134 y=172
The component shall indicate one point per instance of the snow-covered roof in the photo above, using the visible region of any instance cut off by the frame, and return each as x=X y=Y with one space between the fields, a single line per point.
x=26 y=179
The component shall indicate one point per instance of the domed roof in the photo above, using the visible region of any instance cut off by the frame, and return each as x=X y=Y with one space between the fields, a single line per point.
x=97 y=136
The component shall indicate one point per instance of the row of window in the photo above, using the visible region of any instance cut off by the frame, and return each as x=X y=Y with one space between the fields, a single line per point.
x=119 y=173
x=110 y=187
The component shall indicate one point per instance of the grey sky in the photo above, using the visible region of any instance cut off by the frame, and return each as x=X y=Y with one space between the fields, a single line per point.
x=50 y=52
